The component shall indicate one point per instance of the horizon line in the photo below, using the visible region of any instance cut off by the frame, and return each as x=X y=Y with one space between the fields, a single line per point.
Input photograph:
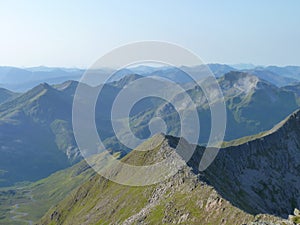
x=160 y=66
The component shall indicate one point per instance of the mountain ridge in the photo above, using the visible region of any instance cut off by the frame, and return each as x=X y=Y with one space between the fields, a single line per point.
x=46 y=110
x=23 y=79
x=238 y=179
x=189 y=197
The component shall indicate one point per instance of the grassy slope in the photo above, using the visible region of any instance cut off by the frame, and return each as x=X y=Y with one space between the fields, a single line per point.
x=45 y=193
x=31 y=112
x=181 y=199
x=99 y=201
x=8 y=198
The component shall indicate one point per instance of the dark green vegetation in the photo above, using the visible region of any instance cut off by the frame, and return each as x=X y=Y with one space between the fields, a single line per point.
x=28 y=147
x=36 y=125
x=254 y=174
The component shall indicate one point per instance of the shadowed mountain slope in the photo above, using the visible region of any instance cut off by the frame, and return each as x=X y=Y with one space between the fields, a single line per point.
x=258 y=177
x=38 y=123
x=6 y=95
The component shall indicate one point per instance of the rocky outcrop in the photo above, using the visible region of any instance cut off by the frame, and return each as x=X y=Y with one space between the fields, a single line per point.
x=252 y=183
x=295 y=219
x=263 y=175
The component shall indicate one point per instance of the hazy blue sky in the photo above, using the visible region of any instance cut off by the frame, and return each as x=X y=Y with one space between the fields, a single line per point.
x=76 y=33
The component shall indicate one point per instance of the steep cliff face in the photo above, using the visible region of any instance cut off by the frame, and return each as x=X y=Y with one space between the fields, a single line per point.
x=262 y=175
x=227 y=193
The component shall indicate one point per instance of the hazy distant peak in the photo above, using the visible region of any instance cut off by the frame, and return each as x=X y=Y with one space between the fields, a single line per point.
x=243 y=66
x=66 y=85
x=237 y=75
x=41 y=87
x=6 y=95
x=242 y=82
x=125 y=80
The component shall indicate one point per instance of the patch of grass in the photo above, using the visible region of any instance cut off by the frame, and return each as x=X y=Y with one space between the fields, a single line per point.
x=38 y=197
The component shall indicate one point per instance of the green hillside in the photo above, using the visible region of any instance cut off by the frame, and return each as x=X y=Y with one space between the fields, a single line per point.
x=184 y=198
x=35 y=199
x=37 y=125
x=219 y=195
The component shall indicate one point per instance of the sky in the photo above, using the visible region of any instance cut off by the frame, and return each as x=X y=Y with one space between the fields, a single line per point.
x=75 y=33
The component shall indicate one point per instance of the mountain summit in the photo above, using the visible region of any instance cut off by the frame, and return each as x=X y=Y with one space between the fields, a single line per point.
x=249 y=181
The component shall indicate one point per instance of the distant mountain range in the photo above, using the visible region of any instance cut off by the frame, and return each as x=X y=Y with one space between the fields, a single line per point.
x=37 y=125
x=253 y=181
x=250 y=182
x=23 y=79
x=19 y=79
x=249 y=100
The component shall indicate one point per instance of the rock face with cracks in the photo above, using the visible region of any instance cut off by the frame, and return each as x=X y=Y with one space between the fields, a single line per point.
x=262 y=175
x=254 y=182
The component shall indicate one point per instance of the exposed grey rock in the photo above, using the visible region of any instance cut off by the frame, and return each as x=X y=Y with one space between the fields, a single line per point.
x=262 y=176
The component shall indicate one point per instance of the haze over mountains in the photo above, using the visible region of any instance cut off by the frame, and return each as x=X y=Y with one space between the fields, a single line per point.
x=46 y=111
x=23 y=79
x=260 y=176
x=251 y=182
x=257 y=171
x=108 y=115
x=6 y=95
